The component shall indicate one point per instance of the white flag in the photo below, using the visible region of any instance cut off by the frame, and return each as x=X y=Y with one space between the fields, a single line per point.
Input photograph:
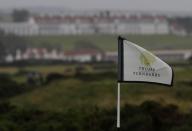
x=135 y=64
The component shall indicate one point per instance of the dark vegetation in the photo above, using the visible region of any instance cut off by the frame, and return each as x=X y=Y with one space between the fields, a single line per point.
x=20 y=15
x=8 y=87
x=149 y=116
x=183 y=22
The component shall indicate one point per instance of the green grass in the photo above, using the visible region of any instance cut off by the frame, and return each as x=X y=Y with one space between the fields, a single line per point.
x=48 y=69
x=72 y=93
x=45 y=69
x=109 y=42
x=10 y=70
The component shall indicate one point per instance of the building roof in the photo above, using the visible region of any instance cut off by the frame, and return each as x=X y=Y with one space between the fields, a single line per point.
x=81 y=52
x=94 y=18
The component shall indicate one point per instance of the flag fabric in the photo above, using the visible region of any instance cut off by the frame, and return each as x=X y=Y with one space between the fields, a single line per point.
x=136 y=64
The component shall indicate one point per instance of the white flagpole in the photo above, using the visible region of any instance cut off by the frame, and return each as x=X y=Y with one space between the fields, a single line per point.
x=118 y=105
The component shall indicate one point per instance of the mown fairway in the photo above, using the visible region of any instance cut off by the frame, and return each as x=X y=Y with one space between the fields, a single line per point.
x=109 y=42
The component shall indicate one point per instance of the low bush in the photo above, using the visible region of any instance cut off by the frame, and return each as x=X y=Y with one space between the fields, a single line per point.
x=149 y=116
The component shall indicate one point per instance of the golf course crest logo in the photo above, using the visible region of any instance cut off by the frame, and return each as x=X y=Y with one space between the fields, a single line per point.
x=146 y=58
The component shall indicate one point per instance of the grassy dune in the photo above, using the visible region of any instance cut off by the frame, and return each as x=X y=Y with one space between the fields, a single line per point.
x=73 y=93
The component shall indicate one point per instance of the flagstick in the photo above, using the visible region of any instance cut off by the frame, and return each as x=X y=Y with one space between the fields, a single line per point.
x=118 y=106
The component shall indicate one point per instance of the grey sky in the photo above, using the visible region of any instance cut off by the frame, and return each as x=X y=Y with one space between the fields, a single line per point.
x=159 y=5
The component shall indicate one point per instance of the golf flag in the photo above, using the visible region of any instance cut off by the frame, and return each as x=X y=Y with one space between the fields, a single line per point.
x=136 y=64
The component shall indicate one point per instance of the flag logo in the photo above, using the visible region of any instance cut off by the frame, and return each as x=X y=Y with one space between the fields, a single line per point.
x=146 y=58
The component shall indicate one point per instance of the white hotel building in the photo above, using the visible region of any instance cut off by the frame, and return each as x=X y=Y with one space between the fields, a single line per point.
x=89 y=24
x=21 y=28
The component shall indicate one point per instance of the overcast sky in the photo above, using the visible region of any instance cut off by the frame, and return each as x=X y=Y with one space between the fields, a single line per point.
x=146 y=5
